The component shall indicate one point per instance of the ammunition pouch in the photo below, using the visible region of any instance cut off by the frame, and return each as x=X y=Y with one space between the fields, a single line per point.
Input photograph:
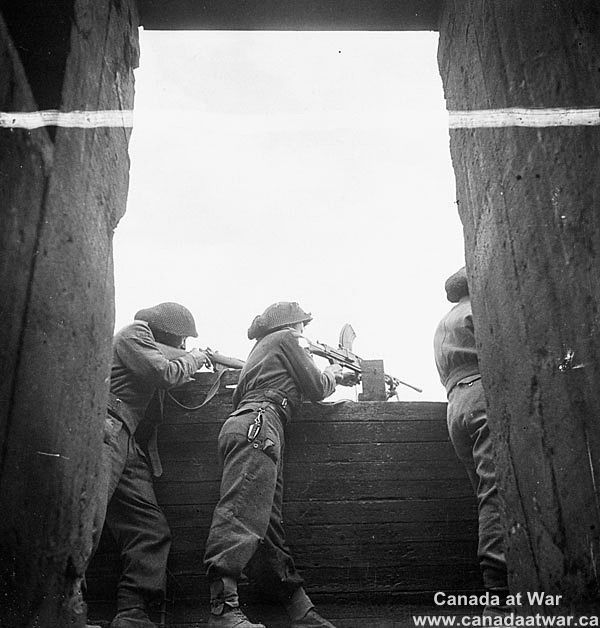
x=119 y=410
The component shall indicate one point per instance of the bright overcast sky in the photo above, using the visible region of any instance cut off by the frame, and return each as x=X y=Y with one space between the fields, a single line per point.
x=304 y=166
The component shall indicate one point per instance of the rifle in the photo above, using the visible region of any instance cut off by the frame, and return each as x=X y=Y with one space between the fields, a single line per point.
x=344 y=356
x=217 y=361
x=220 y=361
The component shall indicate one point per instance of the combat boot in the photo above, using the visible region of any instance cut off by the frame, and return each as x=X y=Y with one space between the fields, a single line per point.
x=501 y=614
x=132 y=618
x=231 y=618
x=312 y=619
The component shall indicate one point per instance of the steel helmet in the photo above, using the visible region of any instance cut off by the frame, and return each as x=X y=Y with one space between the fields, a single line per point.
x=171 y=318
x=276 y=316
x=457 y=286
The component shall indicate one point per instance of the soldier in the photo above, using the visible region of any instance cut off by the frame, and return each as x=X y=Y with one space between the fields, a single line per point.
x=277 y=376
x=458 y=367
x=148 y=358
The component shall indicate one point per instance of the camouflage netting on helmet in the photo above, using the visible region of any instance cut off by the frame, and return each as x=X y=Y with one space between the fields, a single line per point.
x=171 y=318
x=276 y=316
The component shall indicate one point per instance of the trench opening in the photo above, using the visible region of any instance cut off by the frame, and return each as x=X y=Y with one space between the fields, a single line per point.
x=305 y=166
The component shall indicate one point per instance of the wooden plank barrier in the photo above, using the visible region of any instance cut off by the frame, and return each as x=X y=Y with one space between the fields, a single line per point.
x=376 y=502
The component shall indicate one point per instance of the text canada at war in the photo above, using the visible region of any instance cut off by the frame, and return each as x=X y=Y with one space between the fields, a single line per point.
x=534 y=598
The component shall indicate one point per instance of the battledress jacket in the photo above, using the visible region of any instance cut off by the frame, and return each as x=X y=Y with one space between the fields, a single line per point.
x=140 y=367
x=454 y=346
x=278 y=364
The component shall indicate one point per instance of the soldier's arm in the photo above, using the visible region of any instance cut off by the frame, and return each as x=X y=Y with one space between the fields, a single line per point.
x=143 y=356
x=313 y=383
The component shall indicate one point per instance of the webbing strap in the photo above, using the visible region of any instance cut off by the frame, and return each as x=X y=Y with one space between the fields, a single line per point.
x=214 y=389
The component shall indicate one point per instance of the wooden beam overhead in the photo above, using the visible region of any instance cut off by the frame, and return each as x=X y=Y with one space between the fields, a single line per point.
x=318 y=15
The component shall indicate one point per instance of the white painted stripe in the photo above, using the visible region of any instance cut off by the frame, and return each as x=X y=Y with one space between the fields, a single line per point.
x=488 y=118
x=73 y=119
x=482 y=118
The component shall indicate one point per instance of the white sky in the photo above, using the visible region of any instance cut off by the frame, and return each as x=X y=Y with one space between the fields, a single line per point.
x=304 y=166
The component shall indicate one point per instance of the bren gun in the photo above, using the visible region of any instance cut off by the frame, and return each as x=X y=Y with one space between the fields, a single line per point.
x=344 y=356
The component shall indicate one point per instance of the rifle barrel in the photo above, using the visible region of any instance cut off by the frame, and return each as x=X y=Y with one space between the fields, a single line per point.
x=225 y=360
x=410 y=385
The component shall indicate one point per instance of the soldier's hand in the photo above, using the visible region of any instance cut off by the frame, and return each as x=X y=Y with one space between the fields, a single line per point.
x=348 y=378
x=342 y=376
x=209 y=353
x=336 y=371
x=201 y=356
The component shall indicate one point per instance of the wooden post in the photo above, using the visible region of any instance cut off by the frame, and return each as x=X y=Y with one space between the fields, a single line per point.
x=62 y=192
x=528 y=199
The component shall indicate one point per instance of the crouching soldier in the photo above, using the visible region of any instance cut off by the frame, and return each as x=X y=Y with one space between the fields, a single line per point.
x=148 y=358
x=277 y=376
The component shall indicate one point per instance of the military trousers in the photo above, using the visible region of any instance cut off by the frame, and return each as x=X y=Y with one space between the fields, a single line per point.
x=470 y=436
x=247 y=521
x=129 y=508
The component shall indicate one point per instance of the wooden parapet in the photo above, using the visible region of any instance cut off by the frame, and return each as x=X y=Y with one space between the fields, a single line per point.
x=376 y=502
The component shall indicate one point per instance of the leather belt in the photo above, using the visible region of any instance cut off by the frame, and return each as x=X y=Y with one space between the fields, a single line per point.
x=272 y=396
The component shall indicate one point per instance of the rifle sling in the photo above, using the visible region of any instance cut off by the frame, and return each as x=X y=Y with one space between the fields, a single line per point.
x=214 y=389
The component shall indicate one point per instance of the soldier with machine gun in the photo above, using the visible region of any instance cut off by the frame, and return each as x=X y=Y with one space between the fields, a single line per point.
x=277 y=376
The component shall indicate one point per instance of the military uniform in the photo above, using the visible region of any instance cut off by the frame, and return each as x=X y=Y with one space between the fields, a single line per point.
x=140 y=373
x=458 y=367
x=277 y=376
